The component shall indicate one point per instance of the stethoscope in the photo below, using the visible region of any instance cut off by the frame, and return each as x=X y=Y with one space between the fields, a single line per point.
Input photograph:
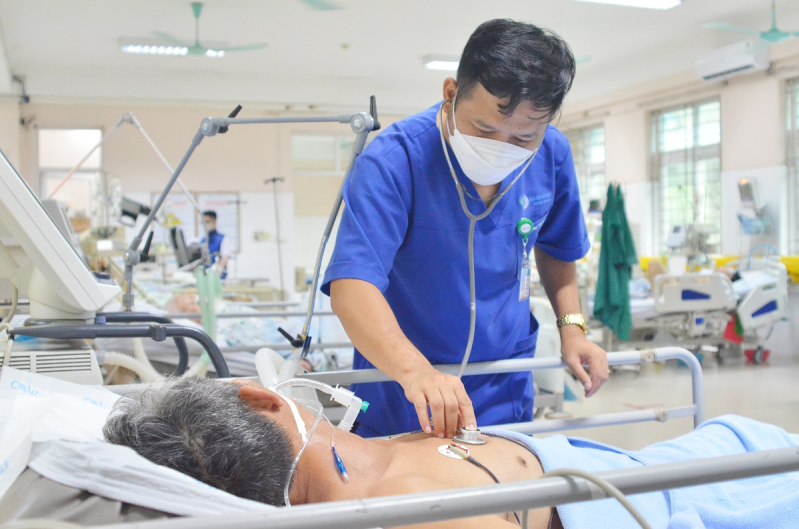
x=528 y=227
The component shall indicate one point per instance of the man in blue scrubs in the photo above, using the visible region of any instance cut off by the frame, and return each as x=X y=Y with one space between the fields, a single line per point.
x=399 y=277
x=218 y=244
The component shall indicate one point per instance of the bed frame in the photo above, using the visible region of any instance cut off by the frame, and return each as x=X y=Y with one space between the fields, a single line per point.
x=408 y=509
x=518 y=496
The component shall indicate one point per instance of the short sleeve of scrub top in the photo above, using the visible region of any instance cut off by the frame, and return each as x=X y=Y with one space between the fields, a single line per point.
x=373 y=225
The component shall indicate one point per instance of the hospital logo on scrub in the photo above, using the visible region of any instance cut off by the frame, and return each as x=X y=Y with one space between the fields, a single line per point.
x=535 y=200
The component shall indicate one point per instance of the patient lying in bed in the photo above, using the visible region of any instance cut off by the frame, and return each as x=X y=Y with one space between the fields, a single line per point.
x=242 y=438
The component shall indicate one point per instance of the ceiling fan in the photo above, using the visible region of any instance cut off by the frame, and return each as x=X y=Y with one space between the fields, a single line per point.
x=182 y=48
x=772 y=36
x=321 y=5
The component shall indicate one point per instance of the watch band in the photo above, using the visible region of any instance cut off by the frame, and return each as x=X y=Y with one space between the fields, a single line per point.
x=573 y=319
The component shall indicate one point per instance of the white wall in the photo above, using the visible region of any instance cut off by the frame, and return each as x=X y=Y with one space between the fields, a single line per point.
x=9 y=131
x=258 y=258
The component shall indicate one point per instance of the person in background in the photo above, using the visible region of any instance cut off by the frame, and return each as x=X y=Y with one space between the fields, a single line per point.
x=218 y=244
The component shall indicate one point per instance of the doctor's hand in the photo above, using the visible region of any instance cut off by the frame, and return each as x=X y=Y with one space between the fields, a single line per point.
x=577 y=350
x=449 y=403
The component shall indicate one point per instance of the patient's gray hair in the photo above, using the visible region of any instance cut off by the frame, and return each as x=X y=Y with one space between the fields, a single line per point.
x=200 y=427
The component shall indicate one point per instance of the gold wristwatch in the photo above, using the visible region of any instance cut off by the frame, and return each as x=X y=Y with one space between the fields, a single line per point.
x=573 y=319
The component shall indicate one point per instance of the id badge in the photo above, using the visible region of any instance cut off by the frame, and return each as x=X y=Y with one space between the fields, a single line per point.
x=524 y=280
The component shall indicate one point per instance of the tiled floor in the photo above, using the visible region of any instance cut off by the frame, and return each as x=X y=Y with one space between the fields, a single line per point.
x=768 y=393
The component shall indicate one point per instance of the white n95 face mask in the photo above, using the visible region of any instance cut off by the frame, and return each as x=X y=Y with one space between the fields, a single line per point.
x=485 y=162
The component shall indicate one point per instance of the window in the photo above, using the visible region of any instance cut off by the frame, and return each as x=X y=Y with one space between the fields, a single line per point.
x=792 y=107
x=59 y=150
x=323 y=155
x=686 y=168
x=588 y=149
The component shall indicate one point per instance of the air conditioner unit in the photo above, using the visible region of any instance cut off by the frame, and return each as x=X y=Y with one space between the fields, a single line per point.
x=738 y=59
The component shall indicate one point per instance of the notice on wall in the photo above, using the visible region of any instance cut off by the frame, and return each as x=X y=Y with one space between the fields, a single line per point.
x=176 y=210
x=226 y=206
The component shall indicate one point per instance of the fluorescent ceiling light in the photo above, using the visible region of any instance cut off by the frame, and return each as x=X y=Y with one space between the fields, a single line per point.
x=215 y=53
x=648 y=4
x=148 y=49
x=441 y=62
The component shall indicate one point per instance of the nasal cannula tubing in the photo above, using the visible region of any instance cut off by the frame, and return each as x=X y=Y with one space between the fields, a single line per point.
x=473 y=220
x=336 y=459
x=297 y=459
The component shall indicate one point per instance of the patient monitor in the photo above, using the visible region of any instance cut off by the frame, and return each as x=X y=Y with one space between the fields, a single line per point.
x=40 y=261
x=45 y=267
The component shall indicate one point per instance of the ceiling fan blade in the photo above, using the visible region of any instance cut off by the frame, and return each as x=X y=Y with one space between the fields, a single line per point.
x=321 y=5
x=728 y=27
x=244 y=48
x=170 y=39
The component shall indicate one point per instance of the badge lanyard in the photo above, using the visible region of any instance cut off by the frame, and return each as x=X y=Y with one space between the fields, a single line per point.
x=524 y=228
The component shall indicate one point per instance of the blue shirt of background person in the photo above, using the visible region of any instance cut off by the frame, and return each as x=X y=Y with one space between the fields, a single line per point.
x=399 y=275
x=218 y=244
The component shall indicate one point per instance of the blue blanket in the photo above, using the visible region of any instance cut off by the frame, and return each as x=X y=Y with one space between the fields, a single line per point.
x=768 y=501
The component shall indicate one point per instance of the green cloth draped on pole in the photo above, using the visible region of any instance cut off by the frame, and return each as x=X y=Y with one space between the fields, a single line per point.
x=616 y=258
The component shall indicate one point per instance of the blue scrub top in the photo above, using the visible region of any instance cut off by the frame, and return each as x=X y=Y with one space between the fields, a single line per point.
x=214 y=246
x=404 y=231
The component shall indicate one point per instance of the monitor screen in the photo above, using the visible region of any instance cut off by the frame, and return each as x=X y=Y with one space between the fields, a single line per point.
x=33 y=248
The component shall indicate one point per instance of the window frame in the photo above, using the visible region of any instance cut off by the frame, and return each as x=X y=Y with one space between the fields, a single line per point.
x=340 y=163
x=42 y=172
x=792 y=160
x=690 y=154
x=585 y=172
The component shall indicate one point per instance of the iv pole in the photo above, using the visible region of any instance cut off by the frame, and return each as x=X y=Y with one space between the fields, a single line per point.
x=274 y=182
x=128 y=118
x=362 y=124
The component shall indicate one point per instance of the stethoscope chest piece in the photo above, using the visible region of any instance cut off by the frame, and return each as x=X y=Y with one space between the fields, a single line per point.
x=469 y=437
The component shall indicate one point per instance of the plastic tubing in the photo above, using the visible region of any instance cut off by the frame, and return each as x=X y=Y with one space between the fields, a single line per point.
x=287 y=487
x=146 y=373
x=340 y=395
x=9 y=340
x=14 y=302
x=343 y=396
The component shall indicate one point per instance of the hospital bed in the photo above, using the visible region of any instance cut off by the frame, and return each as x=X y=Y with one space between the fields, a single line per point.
x=695 y=308
x=518 y=496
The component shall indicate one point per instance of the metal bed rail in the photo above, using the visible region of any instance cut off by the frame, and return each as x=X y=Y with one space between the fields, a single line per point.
x=261 y=314
x=697 y=409
x=283 y=347
x=426 y=507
